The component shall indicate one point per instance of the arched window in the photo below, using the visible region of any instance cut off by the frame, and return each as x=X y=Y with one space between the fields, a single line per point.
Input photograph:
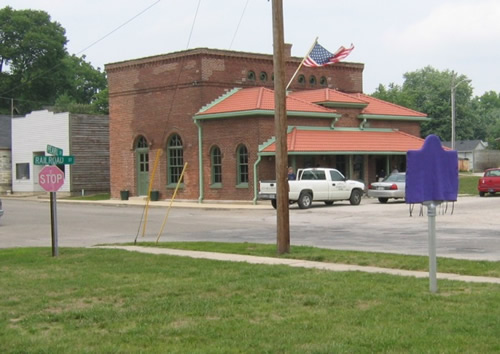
x=216 y=166
x=312 y=80
x=175 y=159
x=302 y=79
x=263 y=76
x=323 y=81
x=251 y=75
x=142 y=143
x=242 y=166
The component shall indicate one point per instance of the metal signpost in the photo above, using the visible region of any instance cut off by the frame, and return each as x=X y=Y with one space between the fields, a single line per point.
x=51 y=179
x=431 y=179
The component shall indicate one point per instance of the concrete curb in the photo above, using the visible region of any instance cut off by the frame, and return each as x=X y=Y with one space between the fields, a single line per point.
x=335 y=267
x=141 y=202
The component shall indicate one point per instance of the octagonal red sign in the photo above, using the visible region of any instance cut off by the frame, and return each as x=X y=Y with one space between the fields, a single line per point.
x=51 y=178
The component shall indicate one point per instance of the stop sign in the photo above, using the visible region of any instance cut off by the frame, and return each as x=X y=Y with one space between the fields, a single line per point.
x=51 y=178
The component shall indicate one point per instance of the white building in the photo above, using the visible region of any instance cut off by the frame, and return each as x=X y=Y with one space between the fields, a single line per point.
x=86 y=137
x=30 y=136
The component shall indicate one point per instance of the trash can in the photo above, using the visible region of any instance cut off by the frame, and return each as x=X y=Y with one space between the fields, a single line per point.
x=154 y=196
x=124 y=195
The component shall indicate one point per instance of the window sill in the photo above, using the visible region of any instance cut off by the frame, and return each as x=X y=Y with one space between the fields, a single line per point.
x=242 y=185
x=216 y=186
x=174 y=185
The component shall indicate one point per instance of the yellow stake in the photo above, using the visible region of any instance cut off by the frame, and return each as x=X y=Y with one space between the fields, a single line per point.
x=157 y=159
x=171 y=201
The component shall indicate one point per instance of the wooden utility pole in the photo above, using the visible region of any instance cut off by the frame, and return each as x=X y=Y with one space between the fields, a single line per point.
x=280 y=130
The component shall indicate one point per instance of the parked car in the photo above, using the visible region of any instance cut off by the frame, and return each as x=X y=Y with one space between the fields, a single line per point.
x=1 y=209
x=393 y=186
x=490 y=182
x=316 y=184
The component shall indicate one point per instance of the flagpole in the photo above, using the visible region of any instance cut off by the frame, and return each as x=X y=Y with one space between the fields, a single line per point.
x=302 y=62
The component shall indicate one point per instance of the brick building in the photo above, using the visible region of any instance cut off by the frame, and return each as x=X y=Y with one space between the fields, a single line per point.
x=214 y=109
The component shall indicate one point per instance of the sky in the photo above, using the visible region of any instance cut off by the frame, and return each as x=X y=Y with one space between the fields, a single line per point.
x=391 y=37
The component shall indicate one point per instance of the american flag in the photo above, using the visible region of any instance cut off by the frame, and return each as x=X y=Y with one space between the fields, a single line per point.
x=319 y=56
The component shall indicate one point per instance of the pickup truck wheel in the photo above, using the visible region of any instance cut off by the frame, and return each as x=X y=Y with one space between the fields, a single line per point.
x=329 y=202
x=273 y=203
x=305 y=200
x=481 y=194
x=355 y=198
x=383 y=200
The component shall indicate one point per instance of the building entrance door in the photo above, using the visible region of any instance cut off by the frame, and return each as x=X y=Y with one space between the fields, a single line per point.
x=142 y=158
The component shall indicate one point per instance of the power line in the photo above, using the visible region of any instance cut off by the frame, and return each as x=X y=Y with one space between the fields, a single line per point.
x=192 y=26
x=238 y=27
x=117 y=28
x=89 y=46
x=171 y=105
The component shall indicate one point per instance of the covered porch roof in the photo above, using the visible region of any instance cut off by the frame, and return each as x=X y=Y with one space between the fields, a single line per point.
x=306 y=141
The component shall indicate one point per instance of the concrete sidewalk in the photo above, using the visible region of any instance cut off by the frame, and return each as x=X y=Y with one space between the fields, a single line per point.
x=301 y=263
x=141 y=201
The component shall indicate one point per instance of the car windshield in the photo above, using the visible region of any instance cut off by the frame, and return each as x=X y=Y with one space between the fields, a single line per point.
x=492 y=173
x=396 y=177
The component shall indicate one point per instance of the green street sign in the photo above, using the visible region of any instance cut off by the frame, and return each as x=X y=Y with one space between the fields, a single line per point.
x=53 y=150
x=54 y=160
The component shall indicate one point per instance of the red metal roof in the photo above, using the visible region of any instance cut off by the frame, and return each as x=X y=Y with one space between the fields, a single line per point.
x=379 y=107
x=259 y=98
x=353 y=141
x=326 y=95
x=374 y=105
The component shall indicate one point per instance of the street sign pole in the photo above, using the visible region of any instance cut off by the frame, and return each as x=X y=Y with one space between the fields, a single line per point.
x=431 y=224
x=53 y=223
x=51 y=178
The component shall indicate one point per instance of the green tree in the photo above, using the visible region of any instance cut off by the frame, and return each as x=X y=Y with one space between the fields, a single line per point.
x=85 y=88
x=32 y=49
x=429 y=91
x=36 y=69
x=83 y=82
x=487 y=108
x=494 y=131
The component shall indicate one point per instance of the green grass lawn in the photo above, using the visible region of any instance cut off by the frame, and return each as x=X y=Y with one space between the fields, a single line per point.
x=468 y=184
x=100 y=300
x=102 y=196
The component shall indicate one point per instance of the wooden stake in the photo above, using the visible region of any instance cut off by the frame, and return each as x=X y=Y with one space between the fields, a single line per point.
x=171 y=202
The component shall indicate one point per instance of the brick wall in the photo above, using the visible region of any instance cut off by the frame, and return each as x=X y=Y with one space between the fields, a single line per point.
x=158 y=96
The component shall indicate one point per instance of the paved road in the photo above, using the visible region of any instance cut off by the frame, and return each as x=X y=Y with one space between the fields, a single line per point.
x=472 y=232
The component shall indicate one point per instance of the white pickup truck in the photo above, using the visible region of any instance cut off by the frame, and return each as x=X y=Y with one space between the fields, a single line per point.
x=316 y=184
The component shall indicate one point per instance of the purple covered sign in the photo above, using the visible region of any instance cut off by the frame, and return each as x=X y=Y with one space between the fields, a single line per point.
x=431 y=173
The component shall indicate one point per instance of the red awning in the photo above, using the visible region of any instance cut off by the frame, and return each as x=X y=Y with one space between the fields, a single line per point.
x=299 y=140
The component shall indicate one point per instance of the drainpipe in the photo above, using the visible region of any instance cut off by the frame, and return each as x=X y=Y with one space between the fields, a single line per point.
x=255 y=179
x=200 y=160
x=334 y=121
x=362 y=125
